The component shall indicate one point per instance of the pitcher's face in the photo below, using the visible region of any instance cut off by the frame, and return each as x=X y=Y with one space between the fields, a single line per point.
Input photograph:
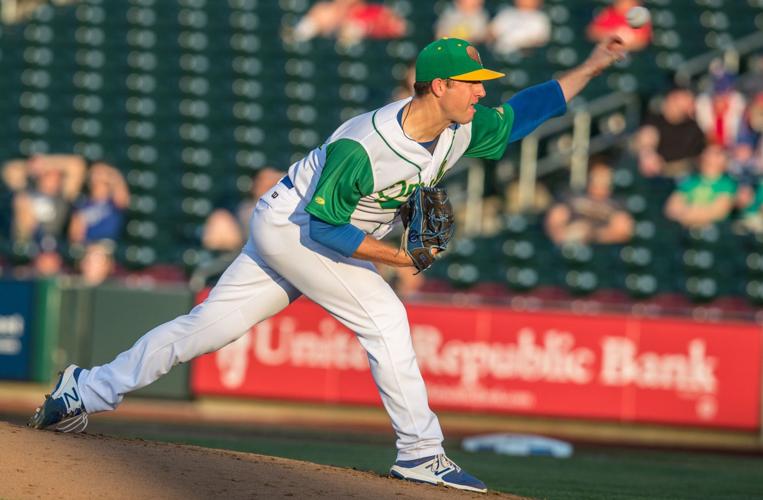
x=459 y=98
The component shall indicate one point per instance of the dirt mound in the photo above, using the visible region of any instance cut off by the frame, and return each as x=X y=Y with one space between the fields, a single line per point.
x=35 y=464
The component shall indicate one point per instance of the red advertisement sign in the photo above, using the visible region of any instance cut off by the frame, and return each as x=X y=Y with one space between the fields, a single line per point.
x=497 y=360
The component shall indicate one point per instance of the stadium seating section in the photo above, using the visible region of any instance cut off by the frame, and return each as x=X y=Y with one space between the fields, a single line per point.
x=189 y=98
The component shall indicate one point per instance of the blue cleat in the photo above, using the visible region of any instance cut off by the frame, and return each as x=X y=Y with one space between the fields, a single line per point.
x=62 y=410
x=437 y=469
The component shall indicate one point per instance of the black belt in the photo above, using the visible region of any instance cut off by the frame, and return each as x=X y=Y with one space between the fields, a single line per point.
x=287 y=182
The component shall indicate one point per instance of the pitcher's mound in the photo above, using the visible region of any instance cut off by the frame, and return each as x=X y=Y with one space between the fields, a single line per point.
x=38 y=464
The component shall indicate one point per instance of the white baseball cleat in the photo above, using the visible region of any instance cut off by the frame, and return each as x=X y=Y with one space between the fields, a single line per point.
x=437 y=469
x=62 y=410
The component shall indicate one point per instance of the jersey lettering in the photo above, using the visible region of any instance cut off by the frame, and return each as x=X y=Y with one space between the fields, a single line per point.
x=395 y=195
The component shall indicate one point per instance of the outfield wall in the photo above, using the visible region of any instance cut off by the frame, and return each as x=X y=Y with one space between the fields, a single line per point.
x=611 y=367
x=47 y=324
x=476 y=359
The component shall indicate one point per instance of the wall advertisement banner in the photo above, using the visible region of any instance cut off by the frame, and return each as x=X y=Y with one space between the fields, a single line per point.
x=497 y=360
x=17 y=302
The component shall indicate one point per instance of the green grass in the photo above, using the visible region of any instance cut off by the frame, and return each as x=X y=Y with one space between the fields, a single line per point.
x=592 y=473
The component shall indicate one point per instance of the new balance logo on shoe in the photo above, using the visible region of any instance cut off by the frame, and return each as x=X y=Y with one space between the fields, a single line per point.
x=74 y=397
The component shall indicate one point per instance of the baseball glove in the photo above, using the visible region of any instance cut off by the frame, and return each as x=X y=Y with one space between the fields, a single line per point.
x=429 y=223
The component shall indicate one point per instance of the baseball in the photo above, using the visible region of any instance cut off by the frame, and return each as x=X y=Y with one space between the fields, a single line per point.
x=637 y=16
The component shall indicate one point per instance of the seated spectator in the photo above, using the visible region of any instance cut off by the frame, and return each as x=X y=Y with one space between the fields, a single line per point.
x=520 y=27
x=404 y=87
x=32 y=260
x=97 y=264
x=100 y=215
x=592 y=216
x=752 y=80
x=47 y=263
x=667 y=142
x=720 y=111
x=748 y=151
x=44 y=188
x=746 y=166
x=323 y=19
x=612 y=21
x=222 y=232
x=225 y=231
x=705 y=197
x=464 y=19
x=749 y=202
x=373 y=21
x=349 y=21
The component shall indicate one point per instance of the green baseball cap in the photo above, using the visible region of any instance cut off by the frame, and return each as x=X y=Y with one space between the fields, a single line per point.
x=452 y=58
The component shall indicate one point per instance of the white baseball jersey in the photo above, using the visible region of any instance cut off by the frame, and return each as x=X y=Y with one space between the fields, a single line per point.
x=361 y=175
x=369 y=167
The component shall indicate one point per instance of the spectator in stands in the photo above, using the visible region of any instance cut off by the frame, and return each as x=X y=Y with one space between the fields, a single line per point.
x=668 y=142
x=719 y=112
x=746 y=163
x=221 y=232
x=97 y=264
x=752 y=81
x=44 y=188
x=612 y=21
x=592 y=217
x=523 y=26
x=749 y=202
x=41 y=261
x=750 y=138
x=100 y=215
x=350 y=21
x=705 y=197
x=323 y=19
x=465 y=19
x=405 y=85
x=47 y=262
x=226 y=230
x=371 y=21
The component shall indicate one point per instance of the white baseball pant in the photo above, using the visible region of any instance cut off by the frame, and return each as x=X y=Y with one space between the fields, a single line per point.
x=280 y=262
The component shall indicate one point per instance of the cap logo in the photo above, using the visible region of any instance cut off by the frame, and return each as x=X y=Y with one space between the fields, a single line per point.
x=472 y=53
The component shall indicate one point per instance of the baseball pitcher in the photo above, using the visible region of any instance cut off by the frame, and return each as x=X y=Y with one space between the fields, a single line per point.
x=316 y=233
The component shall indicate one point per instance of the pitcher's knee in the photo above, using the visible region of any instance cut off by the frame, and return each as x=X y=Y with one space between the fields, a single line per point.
x=394 y=322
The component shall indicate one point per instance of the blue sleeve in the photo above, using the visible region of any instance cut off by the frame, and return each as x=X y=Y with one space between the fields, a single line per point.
x=534 y=105
x=344 y=239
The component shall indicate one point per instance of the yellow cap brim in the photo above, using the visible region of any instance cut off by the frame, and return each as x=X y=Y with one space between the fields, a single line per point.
x=478 y=75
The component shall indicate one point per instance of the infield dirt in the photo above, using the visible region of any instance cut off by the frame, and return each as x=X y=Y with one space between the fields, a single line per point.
x=38 y=464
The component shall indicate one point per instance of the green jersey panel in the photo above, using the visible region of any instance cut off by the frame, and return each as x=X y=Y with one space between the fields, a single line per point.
x=490 y=132
x=346 y=178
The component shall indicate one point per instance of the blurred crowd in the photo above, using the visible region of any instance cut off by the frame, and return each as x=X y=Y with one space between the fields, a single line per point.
x=517 y=25
x=66 y=214
x=708 y=146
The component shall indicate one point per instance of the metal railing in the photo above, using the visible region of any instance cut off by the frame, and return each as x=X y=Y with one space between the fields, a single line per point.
x=689 y=70
x=583 y=145
x=531 y=167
